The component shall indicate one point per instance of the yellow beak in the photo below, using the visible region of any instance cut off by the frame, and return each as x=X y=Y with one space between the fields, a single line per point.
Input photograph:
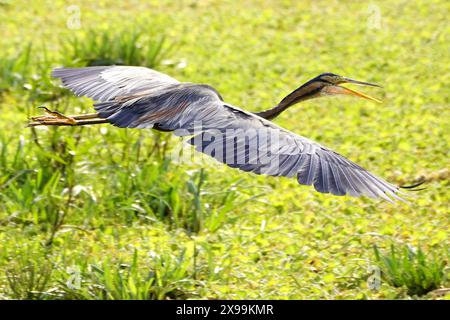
x=338 y=89
x=358 y=94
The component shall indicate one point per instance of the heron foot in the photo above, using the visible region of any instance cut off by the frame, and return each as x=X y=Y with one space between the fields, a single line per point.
x=55 y=118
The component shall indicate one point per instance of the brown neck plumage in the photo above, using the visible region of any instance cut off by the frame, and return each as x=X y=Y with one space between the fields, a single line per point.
x=307 y=91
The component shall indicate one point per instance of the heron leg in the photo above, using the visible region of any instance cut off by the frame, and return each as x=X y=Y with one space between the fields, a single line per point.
x=59 y=115
x=63 y=122
x=55 y=118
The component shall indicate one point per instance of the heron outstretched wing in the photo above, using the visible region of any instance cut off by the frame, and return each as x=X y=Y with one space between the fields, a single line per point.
x=136 y=97
x=109 y=82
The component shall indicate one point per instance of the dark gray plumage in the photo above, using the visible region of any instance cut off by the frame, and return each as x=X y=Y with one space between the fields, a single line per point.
x=137 y=97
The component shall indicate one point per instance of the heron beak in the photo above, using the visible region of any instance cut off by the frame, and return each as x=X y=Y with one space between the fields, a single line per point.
x=344 y=90
x=361 y=83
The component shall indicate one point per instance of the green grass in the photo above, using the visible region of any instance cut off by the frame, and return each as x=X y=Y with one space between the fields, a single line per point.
x=411 y=268
x=164 y=278
x=128 y=46
x=15 y=68
x=106 y=213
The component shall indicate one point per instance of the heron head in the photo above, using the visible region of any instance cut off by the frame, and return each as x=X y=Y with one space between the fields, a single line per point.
x=326 y=84
x=330 y=84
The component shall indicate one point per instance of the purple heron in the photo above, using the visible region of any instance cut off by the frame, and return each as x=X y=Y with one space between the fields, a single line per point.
x=138 y=97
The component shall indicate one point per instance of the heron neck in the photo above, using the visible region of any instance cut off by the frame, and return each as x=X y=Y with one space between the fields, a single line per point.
x=273 y=112
x=287 y=102
x=307 y=91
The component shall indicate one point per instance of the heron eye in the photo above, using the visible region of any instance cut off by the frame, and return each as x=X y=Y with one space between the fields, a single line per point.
x=338 y=79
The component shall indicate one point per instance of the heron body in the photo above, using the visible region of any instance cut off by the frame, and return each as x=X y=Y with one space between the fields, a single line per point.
x=138 y=97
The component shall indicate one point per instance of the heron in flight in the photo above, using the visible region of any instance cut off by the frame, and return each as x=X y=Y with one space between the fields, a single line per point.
x=138 y=97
